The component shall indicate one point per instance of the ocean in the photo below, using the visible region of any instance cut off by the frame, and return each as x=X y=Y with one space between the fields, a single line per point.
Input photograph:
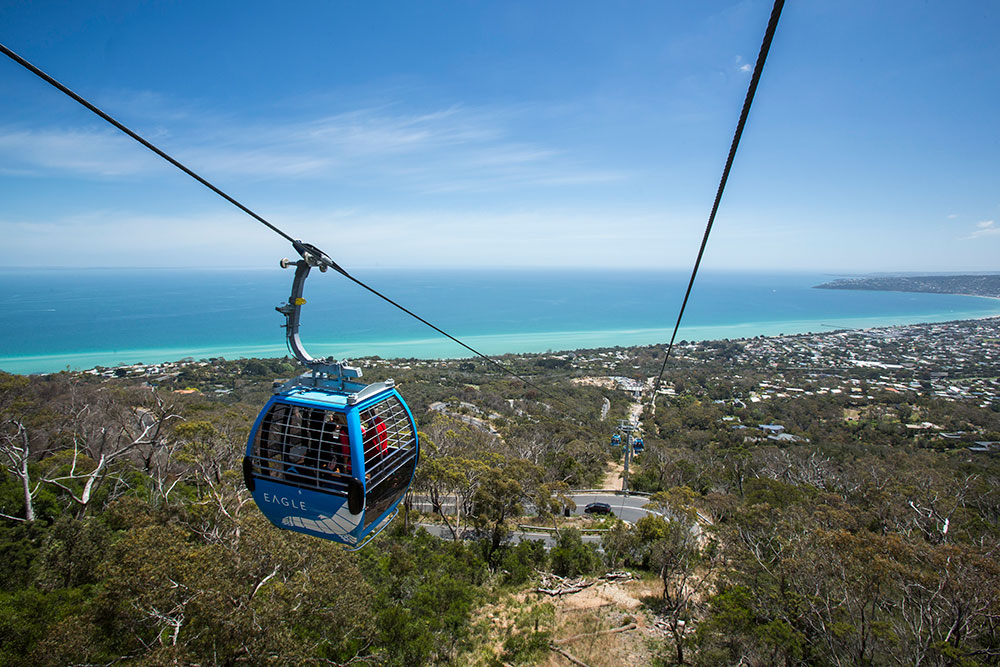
x=54 y=319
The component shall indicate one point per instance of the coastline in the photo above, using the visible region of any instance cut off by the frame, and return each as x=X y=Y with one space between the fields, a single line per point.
x=491 y=344
x=111 y=318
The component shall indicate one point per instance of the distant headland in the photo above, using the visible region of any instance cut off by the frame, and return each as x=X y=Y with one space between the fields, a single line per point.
x=980 y=285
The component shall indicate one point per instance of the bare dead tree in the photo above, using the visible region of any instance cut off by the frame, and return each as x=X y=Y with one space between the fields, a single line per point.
x=104 y=432
x=15 y=446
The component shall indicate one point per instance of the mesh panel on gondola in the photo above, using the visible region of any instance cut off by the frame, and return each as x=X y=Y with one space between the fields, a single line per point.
x=389 y=445
x=304 y=447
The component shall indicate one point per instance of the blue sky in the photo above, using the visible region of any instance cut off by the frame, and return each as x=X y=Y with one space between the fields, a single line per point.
x=505 y=134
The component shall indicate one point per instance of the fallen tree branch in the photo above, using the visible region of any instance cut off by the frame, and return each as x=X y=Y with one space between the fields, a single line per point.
x=565 y=590
x=568 y=656
x=624 y=628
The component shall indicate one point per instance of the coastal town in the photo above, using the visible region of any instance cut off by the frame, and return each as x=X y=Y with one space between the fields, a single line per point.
x=950 y=361
x=953 y=360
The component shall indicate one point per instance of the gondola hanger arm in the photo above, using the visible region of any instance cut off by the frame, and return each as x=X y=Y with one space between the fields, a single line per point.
x=328 y=370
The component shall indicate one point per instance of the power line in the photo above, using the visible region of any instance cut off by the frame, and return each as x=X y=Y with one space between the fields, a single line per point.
x=299 y=246
x=765 y=46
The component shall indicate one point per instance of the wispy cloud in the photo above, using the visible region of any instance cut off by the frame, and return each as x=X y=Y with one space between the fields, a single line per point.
x=90 y=151
x=355 y=238
x=984 y=228
x=447 y=149
x=952 y=216
x=745 y=67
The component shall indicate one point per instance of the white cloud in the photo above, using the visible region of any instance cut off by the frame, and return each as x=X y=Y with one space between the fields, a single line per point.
x=984 y=228
x=356 y=238
x=745 y=67
x=952 y=216
x=89 y=151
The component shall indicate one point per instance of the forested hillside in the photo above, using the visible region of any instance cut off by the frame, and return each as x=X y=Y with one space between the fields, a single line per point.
x=838 y=535
x=975 y=285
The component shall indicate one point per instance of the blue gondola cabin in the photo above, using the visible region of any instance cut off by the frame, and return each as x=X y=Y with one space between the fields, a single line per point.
x=332 y=463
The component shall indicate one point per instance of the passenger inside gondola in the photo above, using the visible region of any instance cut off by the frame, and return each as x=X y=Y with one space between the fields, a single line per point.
x=296 y=470
x=374 y=437
x=335 y=446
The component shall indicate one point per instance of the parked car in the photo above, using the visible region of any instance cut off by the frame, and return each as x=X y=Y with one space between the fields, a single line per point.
x=597 y=508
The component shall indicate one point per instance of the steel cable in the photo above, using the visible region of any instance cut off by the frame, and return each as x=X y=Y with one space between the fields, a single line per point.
x=108 y=118
x=765 y=46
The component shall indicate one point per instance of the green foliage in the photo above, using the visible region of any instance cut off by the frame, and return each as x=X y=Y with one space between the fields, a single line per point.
x=29 y=615
x=865 y=545
x=424 y=592
x=763 y=491
x=503 y=487
x=20 y=544
x=275 y=593
x=71 y=553
x=521 y=561
x=621 y=546
x=571 y=557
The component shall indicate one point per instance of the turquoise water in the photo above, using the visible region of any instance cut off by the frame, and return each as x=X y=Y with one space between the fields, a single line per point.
x=54 y=319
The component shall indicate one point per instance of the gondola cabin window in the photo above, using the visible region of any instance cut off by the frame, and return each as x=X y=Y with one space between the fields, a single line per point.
x=389 y=447
x=304 y=447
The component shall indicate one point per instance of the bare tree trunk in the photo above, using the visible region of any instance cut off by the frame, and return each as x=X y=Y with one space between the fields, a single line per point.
x=444 y=517
x=679 y=642
x=16 y=448
x=29 y=504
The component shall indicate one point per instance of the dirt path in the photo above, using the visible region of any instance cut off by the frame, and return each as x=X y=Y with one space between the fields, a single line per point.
x=613 y=477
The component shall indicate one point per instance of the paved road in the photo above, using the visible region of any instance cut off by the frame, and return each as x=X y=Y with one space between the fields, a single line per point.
x=628 y=508
x=440 y=530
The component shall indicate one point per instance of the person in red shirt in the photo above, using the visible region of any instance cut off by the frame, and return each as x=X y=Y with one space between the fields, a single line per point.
x=375 y=439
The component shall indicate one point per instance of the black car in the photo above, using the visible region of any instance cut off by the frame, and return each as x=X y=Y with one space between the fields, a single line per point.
x=597 y=508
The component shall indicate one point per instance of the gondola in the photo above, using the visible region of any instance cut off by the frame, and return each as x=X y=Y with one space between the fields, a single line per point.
x=329 y=456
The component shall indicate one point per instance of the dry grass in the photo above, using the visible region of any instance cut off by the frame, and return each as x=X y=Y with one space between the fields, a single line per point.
x=603 y=382
x=604 y=606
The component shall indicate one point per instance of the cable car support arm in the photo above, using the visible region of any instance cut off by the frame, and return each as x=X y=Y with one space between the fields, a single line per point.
x=327 y=369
